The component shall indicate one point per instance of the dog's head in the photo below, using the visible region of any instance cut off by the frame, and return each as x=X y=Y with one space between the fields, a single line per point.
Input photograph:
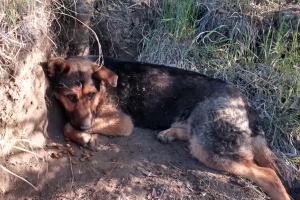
x=80 y=85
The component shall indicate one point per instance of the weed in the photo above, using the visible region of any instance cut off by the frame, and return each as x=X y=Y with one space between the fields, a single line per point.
x=179 y=18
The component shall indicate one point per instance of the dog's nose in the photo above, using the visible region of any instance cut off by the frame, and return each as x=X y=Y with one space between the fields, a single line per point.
x=85 y=127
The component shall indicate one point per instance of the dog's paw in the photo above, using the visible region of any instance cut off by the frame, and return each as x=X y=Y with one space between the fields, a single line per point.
x=166 y=136
x=84 y=138
x=93 y=143
x=87 y=140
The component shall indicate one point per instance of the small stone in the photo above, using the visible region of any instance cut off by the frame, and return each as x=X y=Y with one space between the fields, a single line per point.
x=106 y=172
x=73 y=153
x=89 y=159
x=54 y=155
x=74 y=162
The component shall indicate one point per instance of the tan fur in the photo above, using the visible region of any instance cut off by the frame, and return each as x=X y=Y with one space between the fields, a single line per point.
x=66 y=103
x=262 y=154
x=79 y=137
x=172 y=134
x=112 y=122
x=105 y=74
x=57 y=64
x=178 y=131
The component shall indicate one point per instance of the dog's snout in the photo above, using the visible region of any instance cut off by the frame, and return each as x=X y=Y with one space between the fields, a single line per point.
x=81 y=120
x=85 y=126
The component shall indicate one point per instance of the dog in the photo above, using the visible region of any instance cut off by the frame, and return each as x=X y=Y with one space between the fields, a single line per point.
x=225 y=133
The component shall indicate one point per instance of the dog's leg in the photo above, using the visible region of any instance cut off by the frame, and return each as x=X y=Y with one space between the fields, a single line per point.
x=120 y=125
x=82 y=138
x=109 y=126
x=262 y=176
x=262 y=154
x=173 y=133
x=178 y=130
x=264 y=157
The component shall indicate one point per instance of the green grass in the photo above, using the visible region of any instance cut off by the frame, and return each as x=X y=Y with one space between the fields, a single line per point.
x=179 y=18
x=13 y=12
x=281 y=52
x=277 y=85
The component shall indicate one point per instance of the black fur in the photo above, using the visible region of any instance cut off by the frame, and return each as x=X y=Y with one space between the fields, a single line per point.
x=155 y=96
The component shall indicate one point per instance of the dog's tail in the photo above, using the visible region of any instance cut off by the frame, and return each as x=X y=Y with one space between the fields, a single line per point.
x=264 y=157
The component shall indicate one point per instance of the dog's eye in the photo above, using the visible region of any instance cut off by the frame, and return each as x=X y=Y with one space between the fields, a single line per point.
x=72 y=97
x=91 y=95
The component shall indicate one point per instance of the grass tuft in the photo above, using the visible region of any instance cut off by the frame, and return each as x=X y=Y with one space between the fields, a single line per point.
x=179 y=18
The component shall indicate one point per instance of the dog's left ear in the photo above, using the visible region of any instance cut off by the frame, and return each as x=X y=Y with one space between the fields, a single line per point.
x=105 y=74
x=57 y=66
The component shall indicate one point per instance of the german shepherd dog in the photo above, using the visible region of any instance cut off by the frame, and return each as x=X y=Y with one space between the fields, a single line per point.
x=225 y=133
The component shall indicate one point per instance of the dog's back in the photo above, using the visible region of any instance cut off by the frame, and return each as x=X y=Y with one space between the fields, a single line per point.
x=156 y=95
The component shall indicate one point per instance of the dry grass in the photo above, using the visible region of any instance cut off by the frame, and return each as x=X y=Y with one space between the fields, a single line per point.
x=158 y=47
x=249 y=45
x=71 y=28
x=20 y=22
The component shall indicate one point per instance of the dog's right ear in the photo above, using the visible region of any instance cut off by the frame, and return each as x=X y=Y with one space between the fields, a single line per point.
x=57 y=66
x=108 y=76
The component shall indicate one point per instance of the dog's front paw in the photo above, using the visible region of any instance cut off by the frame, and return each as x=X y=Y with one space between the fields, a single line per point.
x=84 y=139
x=166 y=136
x=93 y=142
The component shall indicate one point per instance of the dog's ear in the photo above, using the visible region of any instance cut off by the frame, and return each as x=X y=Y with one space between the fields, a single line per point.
x=102 y=73
x=57 y=66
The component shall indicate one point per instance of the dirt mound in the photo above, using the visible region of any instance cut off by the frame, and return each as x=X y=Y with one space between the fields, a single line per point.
x=121 y=26
x=23 y=116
